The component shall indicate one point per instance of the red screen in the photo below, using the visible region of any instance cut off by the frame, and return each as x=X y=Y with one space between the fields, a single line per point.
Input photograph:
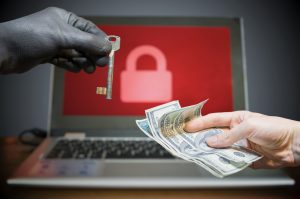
x=157 y=64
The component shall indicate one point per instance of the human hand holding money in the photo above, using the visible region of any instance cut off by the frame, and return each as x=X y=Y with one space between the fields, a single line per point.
x=274 y=137
x=166 y=124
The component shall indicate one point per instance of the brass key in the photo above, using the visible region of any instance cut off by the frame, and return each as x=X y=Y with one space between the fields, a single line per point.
x=115 y=43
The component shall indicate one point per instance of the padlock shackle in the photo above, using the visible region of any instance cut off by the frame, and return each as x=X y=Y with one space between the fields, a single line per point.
x=136 y=53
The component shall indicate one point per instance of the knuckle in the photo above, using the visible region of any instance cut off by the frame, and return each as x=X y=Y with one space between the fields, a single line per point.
x=53 y=9
x=58 y=12
x=241 y=115
x=245 y=112
x=90 y=24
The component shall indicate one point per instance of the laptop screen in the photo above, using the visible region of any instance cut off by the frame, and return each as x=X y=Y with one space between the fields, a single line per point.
x=160 y=60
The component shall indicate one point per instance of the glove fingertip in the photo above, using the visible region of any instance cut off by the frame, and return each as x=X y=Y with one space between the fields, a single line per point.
x=102 y=61
x=89 y=69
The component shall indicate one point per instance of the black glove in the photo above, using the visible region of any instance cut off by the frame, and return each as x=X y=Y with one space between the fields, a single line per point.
x=53 y=36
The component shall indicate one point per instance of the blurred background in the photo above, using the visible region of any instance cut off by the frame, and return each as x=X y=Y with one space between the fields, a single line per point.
x=271 y=41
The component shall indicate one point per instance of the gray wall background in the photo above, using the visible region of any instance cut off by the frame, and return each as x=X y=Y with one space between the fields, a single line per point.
x=271 y=48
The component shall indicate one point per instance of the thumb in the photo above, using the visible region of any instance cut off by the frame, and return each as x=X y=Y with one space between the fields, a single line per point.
x=228 y=138
x=88 y=43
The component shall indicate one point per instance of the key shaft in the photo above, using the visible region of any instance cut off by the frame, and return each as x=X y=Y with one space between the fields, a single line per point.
x=110 y=75
x=115 y=42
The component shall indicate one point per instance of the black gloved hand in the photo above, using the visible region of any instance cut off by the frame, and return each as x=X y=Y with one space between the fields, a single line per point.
x=53 y=36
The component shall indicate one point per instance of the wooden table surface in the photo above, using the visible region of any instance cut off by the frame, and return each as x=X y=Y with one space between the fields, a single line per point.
x=13 y=153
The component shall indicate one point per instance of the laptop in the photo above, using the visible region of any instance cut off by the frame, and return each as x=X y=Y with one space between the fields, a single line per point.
x=93 y=142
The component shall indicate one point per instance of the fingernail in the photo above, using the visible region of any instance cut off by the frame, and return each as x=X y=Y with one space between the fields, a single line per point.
x=212 y=141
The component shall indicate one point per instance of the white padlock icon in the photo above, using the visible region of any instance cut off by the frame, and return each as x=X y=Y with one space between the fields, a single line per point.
x=139 y=86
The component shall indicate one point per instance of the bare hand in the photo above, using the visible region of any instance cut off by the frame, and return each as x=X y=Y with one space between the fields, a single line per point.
x=278 y=139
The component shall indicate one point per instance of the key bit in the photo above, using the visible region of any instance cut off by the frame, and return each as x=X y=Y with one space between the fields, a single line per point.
x=115 y=43
x=101 y=90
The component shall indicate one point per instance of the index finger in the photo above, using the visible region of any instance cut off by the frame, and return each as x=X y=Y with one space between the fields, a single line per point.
x=209 y=121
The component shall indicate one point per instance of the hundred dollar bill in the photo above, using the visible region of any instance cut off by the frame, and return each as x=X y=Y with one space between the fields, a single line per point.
x=153 y=116
x=145 y=128
x=172 y=125
x=185 y=150
x=235 y=152
x=165 y=124
x=216 y=165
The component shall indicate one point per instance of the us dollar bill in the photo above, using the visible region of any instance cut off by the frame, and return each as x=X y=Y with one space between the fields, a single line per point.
x=216 y=165
x=165 y=124
x=173 y=123
x=184 y=150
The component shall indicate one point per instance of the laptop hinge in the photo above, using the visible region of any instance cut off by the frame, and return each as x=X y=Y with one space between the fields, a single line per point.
x=75 y=135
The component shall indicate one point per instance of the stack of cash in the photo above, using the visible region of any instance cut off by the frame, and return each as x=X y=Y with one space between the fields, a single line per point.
x=165 y=124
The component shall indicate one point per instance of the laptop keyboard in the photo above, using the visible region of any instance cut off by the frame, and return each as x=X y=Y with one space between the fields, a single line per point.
x=112 y=149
